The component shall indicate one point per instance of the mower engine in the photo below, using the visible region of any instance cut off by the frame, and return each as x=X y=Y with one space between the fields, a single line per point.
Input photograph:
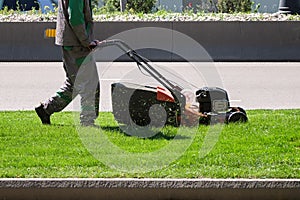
x=215 y=107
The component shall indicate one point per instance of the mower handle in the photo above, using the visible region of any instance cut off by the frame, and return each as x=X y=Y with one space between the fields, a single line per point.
x=143 y=62
x=115 y=42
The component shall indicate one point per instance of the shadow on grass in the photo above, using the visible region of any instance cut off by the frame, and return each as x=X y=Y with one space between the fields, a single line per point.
x=158 y=136
x=120 y=129
x=60 y=125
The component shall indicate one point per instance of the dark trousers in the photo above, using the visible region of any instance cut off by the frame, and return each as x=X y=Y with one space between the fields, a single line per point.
x=81 y=79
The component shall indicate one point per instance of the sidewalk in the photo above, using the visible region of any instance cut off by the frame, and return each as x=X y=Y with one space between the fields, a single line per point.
x=250 y=85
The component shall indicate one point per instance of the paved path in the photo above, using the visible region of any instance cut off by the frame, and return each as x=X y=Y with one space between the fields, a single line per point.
x=250 y=85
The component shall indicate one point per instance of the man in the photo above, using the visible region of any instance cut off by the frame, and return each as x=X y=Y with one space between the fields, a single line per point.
x=74 y=32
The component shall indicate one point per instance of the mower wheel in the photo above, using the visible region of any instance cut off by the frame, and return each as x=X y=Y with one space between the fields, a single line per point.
x=238 y=116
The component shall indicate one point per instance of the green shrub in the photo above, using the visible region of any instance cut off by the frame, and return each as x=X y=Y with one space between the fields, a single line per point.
x=140 y=6
x=233 y=6
x=135 y=6
x=112 y=5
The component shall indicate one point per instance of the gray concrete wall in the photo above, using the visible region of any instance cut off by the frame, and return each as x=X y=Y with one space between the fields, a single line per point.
x=25 y=42
x=224 y=41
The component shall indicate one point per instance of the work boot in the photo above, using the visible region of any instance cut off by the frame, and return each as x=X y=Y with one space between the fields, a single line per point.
x=43 y=115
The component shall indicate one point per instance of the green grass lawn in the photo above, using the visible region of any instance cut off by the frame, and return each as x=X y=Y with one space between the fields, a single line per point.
x=268 y=146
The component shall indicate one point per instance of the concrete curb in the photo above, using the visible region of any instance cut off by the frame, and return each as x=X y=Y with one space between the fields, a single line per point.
x=116 y=188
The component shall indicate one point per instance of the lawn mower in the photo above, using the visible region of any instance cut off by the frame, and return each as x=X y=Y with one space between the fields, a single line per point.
x=168 y=103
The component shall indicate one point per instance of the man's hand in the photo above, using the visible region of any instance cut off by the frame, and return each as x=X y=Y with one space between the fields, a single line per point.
x=93 y=44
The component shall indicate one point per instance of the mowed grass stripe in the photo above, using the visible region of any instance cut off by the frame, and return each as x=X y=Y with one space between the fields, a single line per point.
x=268 y=146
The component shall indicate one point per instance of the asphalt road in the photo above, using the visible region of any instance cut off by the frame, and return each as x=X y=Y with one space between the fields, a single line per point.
x=249 y=85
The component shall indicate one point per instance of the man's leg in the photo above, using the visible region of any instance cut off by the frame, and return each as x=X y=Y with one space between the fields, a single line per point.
x=82 y=78
x=60 y=99
x=87 y=84
x=64 y=95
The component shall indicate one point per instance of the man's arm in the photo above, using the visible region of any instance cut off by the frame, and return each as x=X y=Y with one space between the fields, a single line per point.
x=77 y=21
